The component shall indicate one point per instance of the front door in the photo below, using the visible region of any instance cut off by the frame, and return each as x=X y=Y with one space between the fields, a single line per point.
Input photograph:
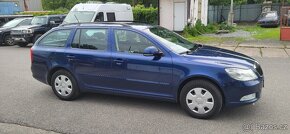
x=139 y=74
x=179 y=16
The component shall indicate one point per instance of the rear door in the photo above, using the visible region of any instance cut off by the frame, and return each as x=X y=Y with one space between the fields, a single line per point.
x=90 y=57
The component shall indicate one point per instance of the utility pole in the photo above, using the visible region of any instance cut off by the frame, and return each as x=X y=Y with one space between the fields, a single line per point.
x=25 y=5
x=231 y=14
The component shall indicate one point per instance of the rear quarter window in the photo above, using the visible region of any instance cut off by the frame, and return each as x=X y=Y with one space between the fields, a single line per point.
x=55 y=39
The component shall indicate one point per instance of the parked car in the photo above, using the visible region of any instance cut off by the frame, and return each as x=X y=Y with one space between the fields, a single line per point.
x=89 y=12
x=5 y=18
x=24 y=35
x=269 y=19
x=5 y=37
x=144 y=61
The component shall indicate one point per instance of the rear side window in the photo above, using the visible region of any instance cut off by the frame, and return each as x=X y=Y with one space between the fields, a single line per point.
x=111 y=17
x=94 y=39
x=55 y=38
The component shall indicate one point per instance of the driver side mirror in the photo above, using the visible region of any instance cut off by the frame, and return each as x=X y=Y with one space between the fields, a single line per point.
x=152 y=51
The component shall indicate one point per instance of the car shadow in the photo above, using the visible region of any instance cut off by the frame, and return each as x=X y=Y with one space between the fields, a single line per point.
x=230 y=114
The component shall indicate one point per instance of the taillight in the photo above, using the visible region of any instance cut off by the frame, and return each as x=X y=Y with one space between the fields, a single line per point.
x=31 y=55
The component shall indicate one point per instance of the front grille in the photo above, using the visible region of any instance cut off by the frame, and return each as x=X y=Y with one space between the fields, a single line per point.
x=16 y=32
x=18 y=36
x=259 y=69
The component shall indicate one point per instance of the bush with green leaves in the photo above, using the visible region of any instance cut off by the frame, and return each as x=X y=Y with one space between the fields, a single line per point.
x=41 y=13
x=145 y=15
x=199 y=28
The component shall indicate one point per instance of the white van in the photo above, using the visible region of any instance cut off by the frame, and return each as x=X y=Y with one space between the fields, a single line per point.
x=95 y=12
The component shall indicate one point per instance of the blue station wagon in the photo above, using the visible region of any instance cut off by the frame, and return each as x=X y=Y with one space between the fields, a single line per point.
x=145 y=61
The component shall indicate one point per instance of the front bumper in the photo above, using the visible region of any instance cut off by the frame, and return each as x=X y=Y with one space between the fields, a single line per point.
x=268 y=23
x=22 y=38
x=237 y=90
x=1 y=39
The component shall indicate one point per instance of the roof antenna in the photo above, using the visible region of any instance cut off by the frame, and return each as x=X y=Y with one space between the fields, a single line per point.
x=76 y=18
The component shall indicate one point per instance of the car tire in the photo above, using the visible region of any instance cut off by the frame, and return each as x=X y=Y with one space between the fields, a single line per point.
x=36 y=37
x=22 y=44
x=201 y=99
x=64 y=85
x=8 y=40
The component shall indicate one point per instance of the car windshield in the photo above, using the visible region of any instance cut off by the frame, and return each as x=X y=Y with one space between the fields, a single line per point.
x=79 y=16
x=269 y=15
x=12 y=23
x=172 y=40
x=39 y=21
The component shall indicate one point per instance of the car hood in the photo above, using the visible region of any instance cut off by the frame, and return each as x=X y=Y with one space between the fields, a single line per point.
x=221 y=57
x=5 y=28
x=269 y=19
x=26 y=27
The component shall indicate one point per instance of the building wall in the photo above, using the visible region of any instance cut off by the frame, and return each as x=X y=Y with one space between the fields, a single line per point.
x=167 y=13
x=33 y=5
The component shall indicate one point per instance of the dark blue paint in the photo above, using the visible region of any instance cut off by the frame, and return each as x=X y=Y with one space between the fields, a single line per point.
x=114 y=72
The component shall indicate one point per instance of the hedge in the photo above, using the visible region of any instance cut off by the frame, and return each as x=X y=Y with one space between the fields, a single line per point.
x=141 y=14
x=145 y=15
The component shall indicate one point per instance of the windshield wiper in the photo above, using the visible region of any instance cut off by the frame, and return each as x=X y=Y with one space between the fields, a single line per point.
x=193 y=49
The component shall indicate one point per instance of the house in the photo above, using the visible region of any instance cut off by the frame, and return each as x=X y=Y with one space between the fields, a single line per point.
x=31 y=5
x=176 y=14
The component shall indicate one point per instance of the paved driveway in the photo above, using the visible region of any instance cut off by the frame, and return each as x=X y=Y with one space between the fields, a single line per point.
x=27 y=102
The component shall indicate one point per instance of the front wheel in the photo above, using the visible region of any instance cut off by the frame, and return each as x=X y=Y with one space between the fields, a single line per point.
x=201 y=99
x=8 y=40
x=64 y=85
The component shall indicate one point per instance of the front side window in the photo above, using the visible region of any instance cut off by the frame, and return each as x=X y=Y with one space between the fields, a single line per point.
x=95 y=39
x=99 y=17
x=56 y=38
x=131 y=42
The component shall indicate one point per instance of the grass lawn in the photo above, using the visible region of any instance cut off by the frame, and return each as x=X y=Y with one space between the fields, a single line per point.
x=262 y=33
x=257 y=33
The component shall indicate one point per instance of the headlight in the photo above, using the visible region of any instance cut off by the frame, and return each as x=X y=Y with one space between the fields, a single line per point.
x=241 y=74
x=27 y=31
x=0 y=31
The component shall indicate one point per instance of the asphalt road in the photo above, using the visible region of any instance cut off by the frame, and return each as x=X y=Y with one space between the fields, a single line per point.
x=25 y=101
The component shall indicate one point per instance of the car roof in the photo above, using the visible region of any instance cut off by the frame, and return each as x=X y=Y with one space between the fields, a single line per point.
x=132 y=25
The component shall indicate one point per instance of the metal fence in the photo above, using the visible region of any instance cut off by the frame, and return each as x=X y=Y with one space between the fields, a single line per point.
x=243 y=13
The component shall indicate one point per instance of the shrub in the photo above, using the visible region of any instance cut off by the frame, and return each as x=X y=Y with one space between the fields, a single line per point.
x=41 y=13
x=145 y=15
x=200 y=28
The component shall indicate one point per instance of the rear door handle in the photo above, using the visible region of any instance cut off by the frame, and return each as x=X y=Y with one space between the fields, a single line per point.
x=70 y=56
x=119 y=61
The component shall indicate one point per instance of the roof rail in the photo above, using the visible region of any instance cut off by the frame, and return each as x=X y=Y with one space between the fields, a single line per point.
x=123 y=23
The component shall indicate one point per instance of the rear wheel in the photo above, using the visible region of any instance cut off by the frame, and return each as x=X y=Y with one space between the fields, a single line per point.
x=64 y=85
x=201 y=99
x=8 y=40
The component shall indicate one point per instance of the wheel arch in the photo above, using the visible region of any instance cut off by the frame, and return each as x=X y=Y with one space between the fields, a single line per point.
x=53 y=70
x=199 y=77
